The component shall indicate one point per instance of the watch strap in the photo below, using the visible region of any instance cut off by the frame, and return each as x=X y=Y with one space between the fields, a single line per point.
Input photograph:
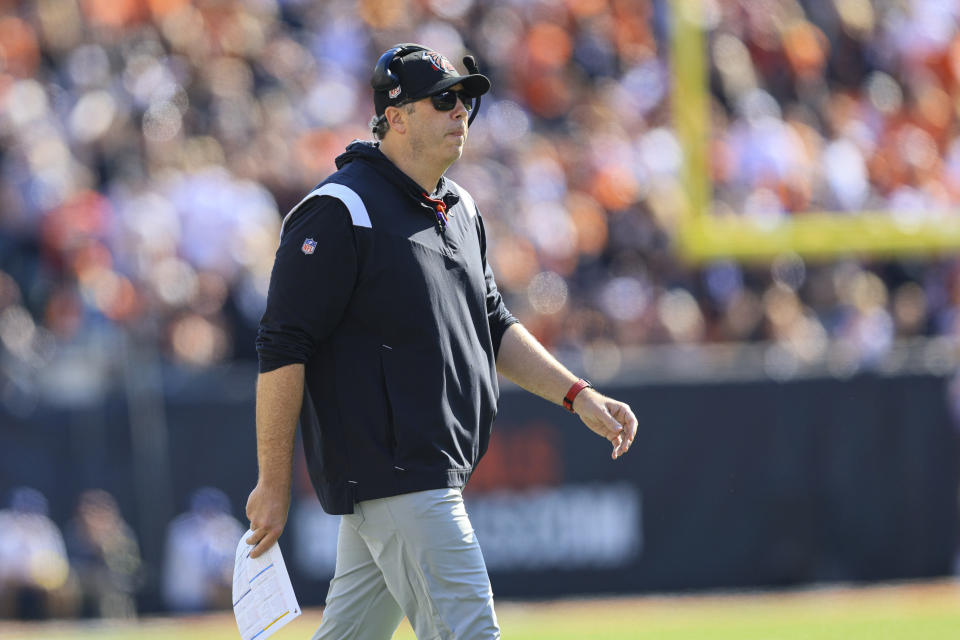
x=577 y=387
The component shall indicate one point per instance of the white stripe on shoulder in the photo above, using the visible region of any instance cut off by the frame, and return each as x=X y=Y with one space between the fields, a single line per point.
x=346 y=195
x=468 y=202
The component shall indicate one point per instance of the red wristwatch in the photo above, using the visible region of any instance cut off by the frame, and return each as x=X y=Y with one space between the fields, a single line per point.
x=577 y=387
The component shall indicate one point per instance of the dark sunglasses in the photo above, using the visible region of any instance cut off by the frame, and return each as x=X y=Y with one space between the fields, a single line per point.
x=447 y=100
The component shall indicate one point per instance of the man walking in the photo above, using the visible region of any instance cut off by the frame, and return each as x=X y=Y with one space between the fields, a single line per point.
x=384 y=332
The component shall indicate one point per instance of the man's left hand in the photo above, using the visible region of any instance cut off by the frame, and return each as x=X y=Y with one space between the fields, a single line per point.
x=609 y=418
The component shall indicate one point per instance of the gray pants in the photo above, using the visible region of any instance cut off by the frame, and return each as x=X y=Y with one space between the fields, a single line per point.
x=416 y=555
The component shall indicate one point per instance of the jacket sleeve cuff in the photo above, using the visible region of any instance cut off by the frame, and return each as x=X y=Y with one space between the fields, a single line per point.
x=498 y=327
x=267 y=364
x=277 y=348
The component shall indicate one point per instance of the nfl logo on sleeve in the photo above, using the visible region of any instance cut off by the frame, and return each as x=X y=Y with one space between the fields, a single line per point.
x=309 y=245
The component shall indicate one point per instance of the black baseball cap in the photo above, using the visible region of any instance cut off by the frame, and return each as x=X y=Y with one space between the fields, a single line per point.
x=424 y=73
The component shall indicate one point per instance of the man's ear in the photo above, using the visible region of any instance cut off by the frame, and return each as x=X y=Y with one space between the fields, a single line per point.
x=397 y=119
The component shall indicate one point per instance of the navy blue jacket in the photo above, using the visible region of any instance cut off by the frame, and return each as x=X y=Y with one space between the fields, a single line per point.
x=386 y=296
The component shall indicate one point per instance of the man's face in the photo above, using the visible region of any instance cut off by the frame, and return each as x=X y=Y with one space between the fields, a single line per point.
x=438 y=136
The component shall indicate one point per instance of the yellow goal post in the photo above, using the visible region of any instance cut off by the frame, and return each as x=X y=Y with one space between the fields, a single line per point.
x=702 y=236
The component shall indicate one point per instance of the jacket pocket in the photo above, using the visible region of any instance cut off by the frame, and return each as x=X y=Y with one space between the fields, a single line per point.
x=361 y=421
x=390 y=429
x=425 y=430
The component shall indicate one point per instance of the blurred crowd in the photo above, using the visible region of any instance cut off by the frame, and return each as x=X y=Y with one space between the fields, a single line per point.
x=92 y=568
x=149 y=148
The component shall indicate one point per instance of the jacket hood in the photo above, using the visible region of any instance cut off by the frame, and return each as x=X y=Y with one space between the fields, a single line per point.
x=369 y=152
x=361 y=149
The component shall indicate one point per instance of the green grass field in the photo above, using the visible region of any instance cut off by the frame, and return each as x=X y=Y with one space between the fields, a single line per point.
x=928 y=611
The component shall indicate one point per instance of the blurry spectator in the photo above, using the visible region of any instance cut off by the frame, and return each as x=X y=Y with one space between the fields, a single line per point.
x=104 y=556
x=201 y=543
x=33 y=560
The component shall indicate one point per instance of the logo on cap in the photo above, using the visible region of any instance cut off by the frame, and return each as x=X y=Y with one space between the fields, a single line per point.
x=394 y=92
x=438 y=61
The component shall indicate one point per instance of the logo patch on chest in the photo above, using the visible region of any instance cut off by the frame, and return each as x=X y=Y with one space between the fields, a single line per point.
x=309 y=246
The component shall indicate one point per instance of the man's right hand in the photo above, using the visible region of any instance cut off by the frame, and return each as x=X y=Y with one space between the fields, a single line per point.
x=267 y=509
